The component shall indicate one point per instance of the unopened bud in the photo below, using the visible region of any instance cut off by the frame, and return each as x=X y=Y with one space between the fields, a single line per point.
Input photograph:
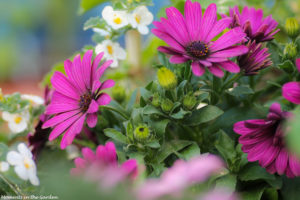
x=292 y=27
x=167 y=105
x=290 y=51
x=166 y=78
x=141 y=133
x=155 y=100
x=189 y=101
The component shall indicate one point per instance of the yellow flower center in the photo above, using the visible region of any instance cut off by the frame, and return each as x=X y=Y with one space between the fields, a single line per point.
x=110 y=49
x=117 y=20
x=18 y=119
x=137 y=18
x=27 y=164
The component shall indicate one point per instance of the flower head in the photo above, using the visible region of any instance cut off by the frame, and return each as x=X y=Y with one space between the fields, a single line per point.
x=140 y=18
x=254 y=25
x=77 y=96
x=112 y=50
x=116 y=19
x=291 y=90
x=166 y=78
x=256 y=59
x=34 y=100
x=25 y=167
x=17 y=122
x=263 y=141
x=103 y=166
x=191 y=38
x=292 y=27
x=173 y=181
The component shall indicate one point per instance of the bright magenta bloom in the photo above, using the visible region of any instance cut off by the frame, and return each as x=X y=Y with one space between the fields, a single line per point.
x=180 y=176
x=263 y=141
x=102 y=166
x=291 y=90
x=252 y=22
x=77 y=97
x=191 y=38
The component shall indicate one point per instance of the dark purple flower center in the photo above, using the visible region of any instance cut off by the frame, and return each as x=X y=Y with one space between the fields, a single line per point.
x=85 y=101
x=197 y=49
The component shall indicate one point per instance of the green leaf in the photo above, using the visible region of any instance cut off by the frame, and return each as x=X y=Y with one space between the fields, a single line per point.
x=132 y=101
x=252 y=171
x=159 y=126
x=241 y=90
x=290 y=189
x=86 y=5
x=287 y=66
x=191 y=151
x=225 y=145
x=293 y=136
x=94 y=22
x=228 y=182
x=153 y=144
x=115 y=135
x=253 y=193
x=150 y=110
x=203 y=115
x=171 y=147
x=180 y=114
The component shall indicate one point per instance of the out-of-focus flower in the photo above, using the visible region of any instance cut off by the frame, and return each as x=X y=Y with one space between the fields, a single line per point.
x=116 y=19
x=290 y=51
x=292 y=27
x=219 y=194
x=180 y=176
x=190 y=38
x=34 y=100
x=17 y=122
x=291 y=90
x=166 y=78
x=140 y=18
x=252 y=22
x=72 y=151
x=155 y=100
x=256 y=59
x=24 y=165
x=102 y=32
x=77 y=97
x=102 y=166
x=4 y=166
x=112 y=50
x=263 y=141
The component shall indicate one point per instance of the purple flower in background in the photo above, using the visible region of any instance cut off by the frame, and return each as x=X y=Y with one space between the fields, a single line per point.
x=291 y=90
x=263 y=141
x=256 y=59
x=191 y=38
x=252 y=22
x=180 y=176
x=77 y=97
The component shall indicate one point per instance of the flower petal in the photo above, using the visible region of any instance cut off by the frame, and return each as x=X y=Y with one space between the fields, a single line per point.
x=198 y=70
x=291 y=91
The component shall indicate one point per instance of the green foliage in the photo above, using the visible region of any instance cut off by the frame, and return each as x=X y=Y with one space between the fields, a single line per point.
x=86 y=5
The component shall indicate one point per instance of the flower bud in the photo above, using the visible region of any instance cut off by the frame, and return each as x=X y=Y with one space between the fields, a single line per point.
x=189 y=101
x=118 y=93
x=167 y=105
x=155 y=100
x=292 y=27
x=166 y=78
x=141 y=133
x=290 y=51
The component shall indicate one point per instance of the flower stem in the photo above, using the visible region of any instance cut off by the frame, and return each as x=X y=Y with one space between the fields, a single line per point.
x=124 y=115
x=11 y=185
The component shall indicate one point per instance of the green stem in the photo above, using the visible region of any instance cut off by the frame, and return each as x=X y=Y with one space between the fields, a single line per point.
x=124 y=115
x=84 y=143
x=11 y=185
x=231 y=81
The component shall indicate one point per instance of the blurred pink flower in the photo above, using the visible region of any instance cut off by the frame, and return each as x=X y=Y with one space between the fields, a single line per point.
x=291 y=90
x=180 y=176
x=103 y=167
x=263 y=141
x=77 y=97
x=252 y=22
x=219 y=194
x=191 y=38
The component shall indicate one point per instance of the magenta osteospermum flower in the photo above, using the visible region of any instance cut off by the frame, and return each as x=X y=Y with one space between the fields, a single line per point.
x=263 y=141
x=190 y=38
x=180 y=176
x=254 y=25
x=77 y=97
x=102 y=166
x=291 y=90
x=256 y=59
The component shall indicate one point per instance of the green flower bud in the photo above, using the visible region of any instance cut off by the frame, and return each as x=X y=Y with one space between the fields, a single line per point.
x=141 y=133
x=292 y=27
x=290 y=51
x=166 y=78
x=118 y=93
x=167 y=105
x=189 y=101
x=155 y=100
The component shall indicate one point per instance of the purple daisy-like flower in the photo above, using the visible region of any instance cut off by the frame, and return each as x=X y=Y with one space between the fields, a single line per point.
x=252 y=22
x=77 y=97
x=256 y=59
x=263 y=141
x=190 y=38
x=291 y=90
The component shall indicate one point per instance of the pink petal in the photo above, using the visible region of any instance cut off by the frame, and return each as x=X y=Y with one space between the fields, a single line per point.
x=55 y=108
x=88 y=154
x=168 y=39
x=208 y=21
x=294 y=164
x=92 y=119
x=198 y=70
x=230 y=52
x=59 y=118
x=291 y=91
x=104 y=99
x=111 y=154
x=80 y=163
x=215 y=70
x=103 y=67
x=107 y=84
x=96 y=86
x=130 y=167
x=176 y=59
x=93 y=107
x=77 y=74
x=298 y=64
x=281 y=162
x=230 y=66
x=59 y=98
x=220 y=26
x=241 y=129
x=95 y=64
x=193 y=15
x=169 y=50
x=86 y=68
x=62 y=85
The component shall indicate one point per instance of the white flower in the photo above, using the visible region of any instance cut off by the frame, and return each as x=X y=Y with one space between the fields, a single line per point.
x=17 y=122
x=201 y=105
x=34 y=100
x=25 y=167
x=116 y=19
x=112 y=51
x=140 y=19
x=4 y=166
x=101 y=32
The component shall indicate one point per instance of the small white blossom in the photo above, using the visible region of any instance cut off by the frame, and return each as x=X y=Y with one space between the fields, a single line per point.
x=201 y=105
x=4 y=166
x=116 y=19
x=112 y=51
x=34 y=100
x=17 y=122
x=24 y=165
x=101 y=32
x=140 y=18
